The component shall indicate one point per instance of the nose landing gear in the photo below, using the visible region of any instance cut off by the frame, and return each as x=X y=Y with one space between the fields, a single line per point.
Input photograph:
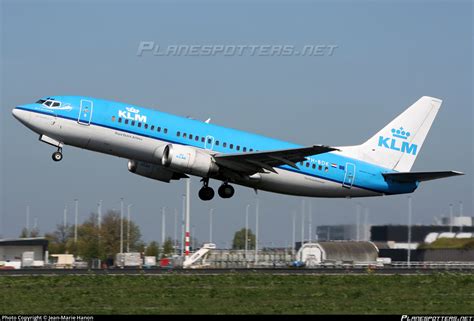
x=58 y=155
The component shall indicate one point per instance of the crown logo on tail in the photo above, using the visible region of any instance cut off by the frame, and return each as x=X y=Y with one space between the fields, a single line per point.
x=400 y=133
x=132 y=110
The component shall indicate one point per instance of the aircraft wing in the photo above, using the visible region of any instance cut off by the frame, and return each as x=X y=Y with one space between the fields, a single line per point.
x=408 y=177
x=258 y=162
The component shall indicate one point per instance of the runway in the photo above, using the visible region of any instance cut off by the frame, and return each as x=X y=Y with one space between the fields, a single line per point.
x=270 y=271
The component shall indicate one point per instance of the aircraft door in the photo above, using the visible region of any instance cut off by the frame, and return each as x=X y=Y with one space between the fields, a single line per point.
x=85 y=112
x=349 y=175
x=209 y=143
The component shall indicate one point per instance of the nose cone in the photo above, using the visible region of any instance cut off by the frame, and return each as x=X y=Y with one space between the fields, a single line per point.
x=22 y=115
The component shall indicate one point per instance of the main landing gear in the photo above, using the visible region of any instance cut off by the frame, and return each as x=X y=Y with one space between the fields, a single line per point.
x=206 y=193
x=226 y=191
x=58 y=155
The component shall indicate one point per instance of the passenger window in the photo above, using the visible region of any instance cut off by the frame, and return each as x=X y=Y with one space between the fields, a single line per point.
x=139 y=124
x=190 y=136
x=209 y=141
x=146 y=126
x=217 y=143
x=152 y=127
x=133 y=123
x=177 y=133
x=320 y=167
x=231 y=146
x=225 y=144
x=184 y=135
x=238 y=147
x=314 y=166
x=202 y=139
x=307 y=164
x=326 y=169
x=166 y=130
x=120 y=119
x=251 y=150
x=126 y=121
x=196 y=138
x=113 y=118
x=159 y=129
x=244 y=149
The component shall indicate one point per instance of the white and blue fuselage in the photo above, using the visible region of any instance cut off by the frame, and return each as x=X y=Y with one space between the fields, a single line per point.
x=138 y=134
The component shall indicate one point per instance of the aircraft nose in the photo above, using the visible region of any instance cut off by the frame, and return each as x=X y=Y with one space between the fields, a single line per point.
x=22 y=115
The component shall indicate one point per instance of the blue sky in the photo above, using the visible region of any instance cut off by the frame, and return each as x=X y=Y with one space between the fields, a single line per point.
x=388 y=55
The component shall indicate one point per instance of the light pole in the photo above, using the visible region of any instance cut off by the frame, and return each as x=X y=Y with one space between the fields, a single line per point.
x=257 y=209
x=121 y=225
x=76 y=214
x=294 y=233
x=99 y=214
x=451 y=219
x=128 y=227
x=27 y=220
x=302 y=221
x=366 y=224
x=358 y=222
x=163 y=227
x=409 y=231
x=183 y=219
x=211 y=211
x=175 y=230
x=65 y=216
x=246 y=230
x=99 y=218
x=310 y=220
x=187 y=218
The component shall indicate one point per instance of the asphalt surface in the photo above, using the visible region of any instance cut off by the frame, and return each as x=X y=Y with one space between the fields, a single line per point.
x=274 y=271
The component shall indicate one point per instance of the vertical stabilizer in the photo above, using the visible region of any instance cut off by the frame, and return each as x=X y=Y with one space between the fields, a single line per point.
x=398 y=144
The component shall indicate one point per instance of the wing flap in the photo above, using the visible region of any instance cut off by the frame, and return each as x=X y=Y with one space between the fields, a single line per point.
x=258 y=162
x=409 y=177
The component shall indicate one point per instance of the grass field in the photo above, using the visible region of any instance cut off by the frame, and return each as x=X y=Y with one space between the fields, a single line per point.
x=238 y=294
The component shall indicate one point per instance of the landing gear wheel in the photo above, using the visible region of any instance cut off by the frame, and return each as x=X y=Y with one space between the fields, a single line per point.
x=206 y=193
x=226 y=191
x=57 y=156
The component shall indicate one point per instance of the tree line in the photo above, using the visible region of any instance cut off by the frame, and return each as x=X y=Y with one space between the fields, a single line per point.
x=102 y=241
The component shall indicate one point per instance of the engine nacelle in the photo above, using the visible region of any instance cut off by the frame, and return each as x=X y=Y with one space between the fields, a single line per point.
x=152 y=171
x=188 y=160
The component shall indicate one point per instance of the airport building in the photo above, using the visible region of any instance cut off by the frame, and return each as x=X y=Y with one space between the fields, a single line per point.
x=19 y=252
x=399 y=233
x=343 y=232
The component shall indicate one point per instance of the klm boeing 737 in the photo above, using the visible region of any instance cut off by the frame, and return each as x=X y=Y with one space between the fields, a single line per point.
x=166 y=147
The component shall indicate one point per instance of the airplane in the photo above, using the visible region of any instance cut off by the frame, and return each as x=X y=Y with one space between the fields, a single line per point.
x=166 y=147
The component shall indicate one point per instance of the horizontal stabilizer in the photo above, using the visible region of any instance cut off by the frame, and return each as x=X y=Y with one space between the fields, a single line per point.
x=409 y=177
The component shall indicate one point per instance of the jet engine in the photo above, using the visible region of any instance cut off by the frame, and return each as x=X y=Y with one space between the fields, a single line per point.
x=188 y=160
x=153 y=171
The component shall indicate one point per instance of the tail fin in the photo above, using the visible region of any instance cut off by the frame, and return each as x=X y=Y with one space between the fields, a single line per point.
x=398 y=144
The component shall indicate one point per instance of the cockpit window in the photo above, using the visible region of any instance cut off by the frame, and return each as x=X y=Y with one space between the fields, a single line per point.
x=49 y=102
